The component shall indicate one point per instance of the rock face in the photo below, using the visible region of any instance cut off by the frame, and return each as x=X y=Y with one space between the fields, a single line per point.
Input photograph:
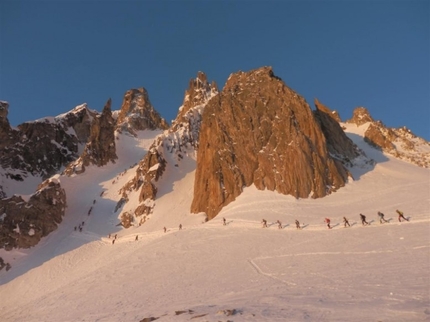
x=258 y=131
x=137 y=113
x=168 y=150
x=6 y=133
x=360 y=116
x=324 y=109
x=24 y=223
x=100 y=148
x=400 y=143
x=43 y=147
x=339 y=145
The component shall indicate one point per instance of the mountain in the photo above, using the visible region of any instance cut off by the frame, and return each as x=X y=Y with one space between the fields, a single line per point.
x=131 y=228
x=166 y=153
x=238 y=272
x=400 y=142
x=258 y=131
x=45 y=148
x=137 y=113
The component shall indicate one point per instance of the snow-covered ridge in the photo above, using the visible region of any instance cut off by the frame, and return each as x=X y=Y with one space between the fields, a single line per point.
x=398 y=142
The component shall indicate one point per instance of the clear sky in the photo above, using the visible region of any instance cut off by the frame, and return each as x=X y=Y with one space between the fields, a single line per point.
x=55 y=55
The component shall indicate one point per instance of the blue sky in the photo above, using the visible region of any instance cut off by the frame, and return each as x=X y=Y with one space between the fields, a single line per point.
x=55 y=55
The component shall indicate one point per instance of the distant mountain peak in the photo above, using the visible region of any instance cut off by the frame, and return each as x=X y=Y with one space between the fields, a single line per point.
x=137 y=113
x=398 y=142
x=360 y=116
x=168 y=150
x=100 y=148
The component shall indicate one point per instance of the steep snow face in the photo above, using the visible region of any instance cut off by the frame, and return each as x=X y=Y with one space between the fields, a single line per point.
x=239 y=271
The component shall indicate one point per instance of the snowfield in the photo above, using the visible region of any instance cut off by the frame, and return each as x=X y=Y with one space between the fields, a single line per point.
x=237 y=272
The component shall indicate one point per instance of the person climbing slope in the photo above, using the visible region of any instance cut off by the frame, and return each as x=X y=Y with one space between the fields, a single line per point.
x=400 y=213
x=327 y=221
x=346 y=222
x=381 y=217
x=363 y=220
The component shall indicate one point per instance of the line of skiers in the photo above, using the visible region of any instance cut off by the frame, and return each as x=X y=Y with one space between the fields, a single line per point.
x=297 y=223
x=327 y=221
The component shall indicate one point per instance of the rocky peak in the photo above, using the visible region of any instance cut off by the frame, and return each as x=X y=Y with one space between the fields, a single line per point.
x=168 y=150
x=100 y=148
x=137 y=113
x=258 y=131
x=198 y=94
x=79 y=119
x=44 y=146
x=324 y=109
x=360 y=116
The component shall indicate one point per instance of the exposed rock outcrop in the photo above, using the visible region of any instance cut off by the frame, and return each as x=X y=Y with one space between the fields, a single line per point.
x=100 y=149
x=6 y=134
x=360 y=116
x=400 y=143
x=258 y=131
x=168 y=149
x=43 y=147
x=137 y=113
x=324 y=109
x=23 y=223
x=339 y=145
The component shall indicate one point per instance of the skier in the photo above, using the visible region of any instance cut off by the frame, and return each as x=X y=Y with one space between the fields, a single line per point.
x=115 y=236
x=381 y=217
x=109 y=236
x=298 y=224
x=279 y=224
x=401 y=216
x=264 y=222
x=75 y=228
x=165 y=229
x=345 y=222
x=327 y=221
x=113 y=241
x=363 y=220
x=180 y=226
x=224 y=222
x=137 y=237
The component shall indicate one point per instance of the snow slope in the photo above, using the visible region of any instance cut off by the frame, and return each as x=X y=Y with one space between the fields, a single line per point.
x=373 y=273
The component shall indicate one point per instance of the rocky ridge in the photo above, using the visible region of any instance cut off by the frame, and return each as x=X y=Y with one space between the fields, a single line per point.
x=43 y=147
x=100 y=149
x=169 y=148
x=137 y=113
x=74 y=140
x=398 y=142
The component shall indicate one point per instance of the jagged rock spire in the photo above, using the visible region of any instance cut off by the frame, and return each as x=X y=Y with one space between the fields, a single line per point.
x=100 y=148
x=137 y=113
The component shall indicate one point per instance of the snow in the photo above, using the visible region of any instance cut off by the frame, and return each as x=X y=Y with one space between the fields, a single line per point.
x=373 y=273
